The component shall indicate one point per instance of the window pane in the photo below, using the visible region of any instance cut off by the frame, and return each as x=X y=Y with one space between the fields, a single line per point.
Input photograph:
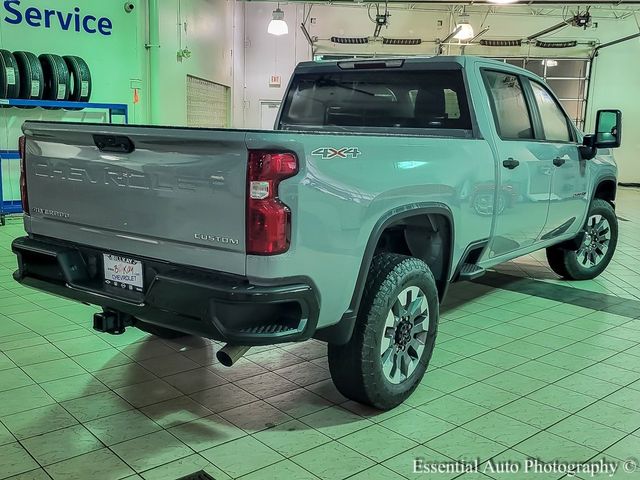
x=511 y=113
x=412 y=99
x=569 y=89
x=554 y=122
x=535 y=65
x=568 y=68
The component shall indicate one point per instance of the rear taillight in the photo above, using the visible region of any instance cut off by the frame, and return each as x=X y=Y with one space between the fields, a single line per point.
x=268 y=219
x=22 y=152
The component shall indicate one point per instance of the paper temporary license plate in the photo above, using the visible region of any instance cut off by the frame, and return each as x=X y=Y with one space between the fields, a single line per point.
x=123 y=272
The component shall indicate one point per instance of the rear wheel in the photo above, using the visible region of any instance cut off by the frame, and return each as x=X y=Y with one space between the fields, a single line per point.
x=159 y=332
x=596 y=250
x=394 y=335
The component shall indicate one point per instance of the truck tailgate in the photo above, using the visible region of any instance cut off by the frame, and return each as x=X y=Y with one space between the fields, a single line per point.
x=179 y=196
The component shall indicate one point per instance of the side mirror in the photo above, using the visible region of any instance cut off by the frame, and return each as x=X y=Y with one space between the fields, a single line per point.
x=608 y=129
x=608 y=134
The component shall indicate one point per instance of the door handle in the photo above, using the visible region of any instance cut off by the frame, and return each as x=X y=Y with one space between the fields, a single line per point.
x=510 y=163
x=559 y=161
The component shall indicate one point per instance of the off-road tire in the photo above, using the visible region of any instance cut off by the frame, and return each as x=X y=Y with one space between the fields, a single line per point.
x=159 y=332
x=564 y=261
x=9 y=75
x=356 y=367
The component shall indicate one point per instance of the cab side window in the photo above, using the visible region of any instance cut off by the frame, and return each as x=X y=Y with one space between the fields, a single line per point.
x=509 y=105
x=554 y=122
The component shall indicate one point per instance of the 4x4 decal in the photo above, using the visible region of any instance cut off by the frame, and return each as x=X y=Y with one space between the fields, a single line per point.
x=329 y=152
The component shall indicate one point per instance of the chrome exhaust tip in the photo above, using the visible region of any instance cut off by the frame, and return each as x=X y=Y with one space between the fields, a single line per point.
x=230 y=354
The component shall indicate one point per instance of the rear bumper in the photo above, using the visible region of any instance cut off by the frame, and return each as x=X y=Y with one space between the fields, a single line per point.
x=199 y=302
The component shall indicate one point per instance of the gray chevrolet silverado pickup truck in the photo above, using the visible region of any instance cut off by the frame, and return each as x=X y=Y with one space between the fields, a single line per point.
x=383 y=182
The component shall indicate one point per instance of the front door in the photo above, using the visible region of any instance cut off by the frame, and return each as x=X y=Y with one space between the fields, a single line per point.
x=522 y=196
x=569 y=199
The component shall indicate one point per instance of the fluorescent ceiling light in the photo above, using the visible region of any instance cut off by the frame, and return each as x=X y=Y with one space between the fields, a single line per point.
x=277 y=25
x=466 y=30
x=550 y=62
x=502 y=1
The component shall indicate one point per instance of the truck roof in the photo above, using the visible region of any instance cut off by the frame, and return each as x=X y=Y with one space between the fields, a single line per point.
x=393 y=62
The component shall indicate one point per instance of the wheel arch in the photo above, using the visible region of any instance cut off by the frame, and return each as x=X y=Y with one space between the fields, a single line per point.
x=606 y=189
x=412 y=220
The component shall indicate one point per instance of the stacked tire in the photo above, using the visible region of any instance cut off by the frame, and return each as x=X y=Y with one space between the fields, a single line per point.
x=26 y=76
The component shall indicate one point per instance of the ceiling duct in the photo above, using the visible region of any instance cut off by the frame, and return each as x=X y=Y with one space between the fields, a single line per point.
x=569 y=44
x=350 y=40
x=500 y=43
x=401 y=41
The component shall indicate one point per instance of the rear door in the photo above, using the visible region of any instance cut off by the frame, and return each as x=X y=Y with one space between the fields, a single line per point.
x=569 y=199
x=522 y=196
x=178 y=195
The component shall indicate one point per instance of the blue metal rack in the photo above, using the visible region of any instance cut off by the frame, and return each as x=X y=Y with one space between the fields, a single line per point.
x=8 y=206
x=114 y=109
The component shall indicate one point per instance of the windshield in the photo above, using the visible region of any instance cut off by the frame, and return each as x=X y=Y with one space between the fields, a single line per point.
x=388 y=98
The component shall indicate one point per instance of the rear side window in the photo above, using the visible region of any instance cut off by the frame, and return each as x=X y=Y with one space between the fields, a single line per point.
x=387 y=99
x=554 y=122
x=509 y=106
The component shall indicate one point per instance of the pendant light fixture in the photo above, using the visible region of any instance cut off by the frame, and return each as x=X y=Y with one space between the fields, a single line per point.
x=277 y=25
x=465 y=30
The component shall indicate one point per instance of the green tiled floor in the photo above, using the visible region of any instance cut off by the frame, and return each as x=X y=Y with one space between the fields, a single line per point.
x=513 y=376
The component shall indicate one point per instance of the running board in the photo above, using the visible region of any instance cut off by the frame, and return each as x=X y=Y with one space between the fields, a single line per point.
x=470 y=271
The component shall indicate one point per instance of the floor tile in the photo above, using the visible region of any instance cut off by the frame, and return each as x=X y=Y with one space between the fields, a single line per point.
x=102 y=464
x=183 y=467
x=34 y=354
x=121 y=427
x=96 y=406
x=377 y=472
x=533 y=413
x=224 y=397
x=466 y=445
x=14 y=378
x=335 y=422
x=74 y=387
x=266 y=385
x=255 y=416
x=242 y=456
x=53 y=370
x=345 y=462
x=284 y=469
x=417 y=425
x=500 y=428
x=292 y=438
x=89 y=344
x=168 y=364
x=176 y=411
x=378 y=443
x=298 y=403
x=38 y=421
x=587 y=432
x=453 y=409
x=23 y=399
x=548 y=447
x=124 y=375
x=626 y=448
x=61 y=444
x=195 y=380
x=148 y=393
x=151 y=450
x=14 y=460
x=613 y=415
x=207 y=432
x=562 y=398
x=102 y=360
x=486 y=395
x=405 y=463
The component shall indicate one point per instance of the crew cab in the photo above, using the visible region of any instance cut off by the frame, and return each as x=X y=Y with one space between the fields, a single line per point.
x=383 y=182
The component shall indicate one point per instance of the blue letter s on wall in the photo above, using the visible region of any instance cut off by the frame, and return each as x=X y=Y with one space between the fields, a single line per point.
x=12 y=11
